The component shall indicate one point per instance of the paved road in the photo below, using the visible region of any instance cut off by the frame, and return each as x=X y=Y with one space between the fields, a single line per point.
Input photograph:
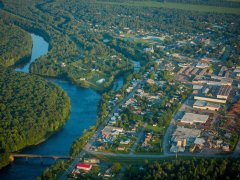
x=159 y=156
x=140 y=135
x=167 y=137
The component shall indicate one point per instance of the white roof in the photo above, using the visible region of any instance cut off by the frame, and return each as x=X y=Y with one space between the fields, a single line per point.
x=194 y=118
x=199 y=141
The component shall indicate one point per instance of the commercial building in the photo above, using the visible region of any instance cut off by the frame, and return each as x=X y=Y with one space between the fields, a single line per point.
x=224 y=92
x=183 y=137
x=213 y=80
x=215 y=94
x=210 y=99
x=85 y=167
x=191 y=118
x=206 y=105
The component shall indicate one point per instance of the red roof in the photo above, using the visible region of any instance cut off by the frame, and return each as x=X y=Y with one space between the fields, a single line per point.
x=84 y=166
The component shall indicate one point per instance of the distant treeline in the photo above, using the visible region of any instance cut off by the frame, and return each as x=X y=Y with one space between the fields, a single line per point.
x=219 y=3
x=30 y=110
x=15 y=44
x=186 y=169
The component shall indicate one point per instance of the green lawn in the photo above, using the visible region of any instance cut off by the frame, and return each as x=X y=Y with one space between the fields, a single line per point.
x=156 y=129
x=181 y=6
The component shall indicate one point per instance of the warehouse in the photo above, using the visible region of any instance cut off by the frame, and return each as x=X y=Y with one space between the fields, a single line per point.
x=224 y=92
x=206 y=105
x=191 y=118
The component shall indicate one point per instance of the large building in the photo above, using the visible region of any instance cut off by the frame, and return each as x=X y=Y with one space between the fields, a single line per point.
x=215 y=94
x=206 y=105
x=191 y=118
x=224 y=92
x=183 y=137
x=85 y=167
x=212 y=80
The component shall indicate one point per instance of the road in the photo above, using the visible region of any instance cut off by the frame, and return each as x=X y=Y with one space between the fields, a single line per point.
x=160 y=156
x=98 y=132
x=169 y=131
x=167 y=138
x=140 y=135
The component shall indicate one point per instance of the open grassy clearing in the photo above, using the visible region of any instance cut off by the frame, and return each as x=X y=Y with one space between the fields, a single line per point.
x=181 y=6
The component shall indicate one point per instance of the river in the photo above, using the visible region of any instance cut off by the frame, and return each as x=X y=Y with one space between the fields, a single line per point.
x=83 y=115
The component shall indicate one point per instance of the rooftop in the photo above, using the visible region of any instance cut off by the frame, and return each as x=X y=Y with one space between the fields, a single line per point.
x=185 y=133
x=194 y=118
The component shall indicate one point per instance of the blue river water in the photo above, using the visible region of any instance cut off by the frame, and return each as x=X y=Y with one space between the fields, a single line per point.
x=83 y=115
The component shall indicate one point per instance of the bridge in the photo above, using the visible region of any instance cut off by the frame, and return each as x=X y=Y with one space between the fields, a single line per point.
x=55 y=157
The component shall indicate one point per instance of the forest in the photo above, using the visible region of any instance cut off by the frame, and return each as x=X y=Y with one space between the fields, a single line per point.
x=186 y=169
x=15 y=44
x=28 y=104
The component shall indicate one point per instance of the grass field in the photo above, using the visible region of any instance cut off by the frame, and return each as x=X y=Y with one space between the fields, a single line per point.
x=181 y=6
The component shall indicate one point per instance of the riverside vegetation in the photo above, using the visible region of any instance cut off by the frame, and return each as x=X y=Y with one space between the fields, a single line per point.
x=28 y=104
x=15 y=44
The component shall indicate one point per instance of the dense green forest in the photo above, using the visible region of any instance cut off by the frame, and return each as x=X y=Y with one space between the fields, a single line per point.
x=28 y=104
x=186 y=169
x=15 y=44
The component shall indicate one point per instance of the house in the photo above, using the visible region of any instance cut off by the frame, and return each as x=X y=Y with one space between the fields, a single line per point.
x=100 y=81
x=150 y=81
x=151 y=50
x=85 y=167
x=121 y=148
x=91 y=160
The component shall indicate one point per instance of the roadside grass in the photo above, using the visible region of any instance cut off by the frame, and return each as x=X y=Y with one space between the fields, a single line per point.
x=141 y=160
x=181 y=6
x=130 y=160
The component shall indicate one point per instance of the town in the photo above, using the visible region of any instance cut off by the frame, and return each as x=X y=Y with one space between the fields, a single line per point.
x=176 y=105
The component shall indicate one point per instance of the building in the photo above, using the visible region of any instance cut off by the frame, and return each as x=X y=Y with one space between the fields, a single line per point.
x=206 y=105
x=85 y=167
x=151 y=50
x=213 y=80
x=215 y=94
x=150 y=81
x=210 y=99
x=100 y=81
x=91 y=160
x=111 y=131
x=224 y=92
x=199 y=142
x=183 y=137
x=191 y=118
x=182 y=133
x=202 y=65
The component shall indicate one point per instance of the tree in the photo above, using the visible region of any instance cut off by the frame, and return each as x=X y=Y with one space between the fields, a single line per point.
x=116 y=167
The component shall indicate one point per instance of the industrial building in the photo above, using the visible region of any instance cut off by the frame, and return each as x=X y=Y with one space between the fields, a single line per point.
x=191 y=118
x=183 y=137
x=224 y=92
x=206 y=105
